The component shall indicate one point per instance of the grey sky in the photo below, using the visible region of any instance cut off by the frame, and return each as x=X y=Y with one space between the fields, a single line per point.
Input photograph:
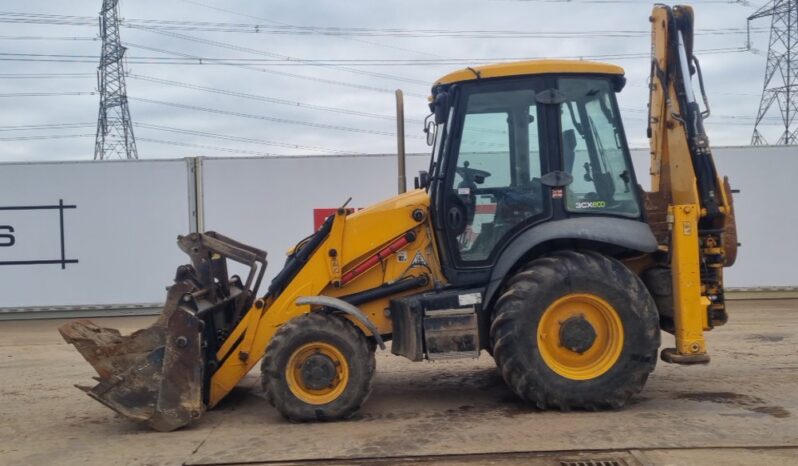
x=734 y=80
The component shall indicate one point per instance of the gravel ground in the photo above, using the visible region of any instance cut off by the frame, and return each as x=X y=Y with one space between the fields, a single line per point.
x=741 y=409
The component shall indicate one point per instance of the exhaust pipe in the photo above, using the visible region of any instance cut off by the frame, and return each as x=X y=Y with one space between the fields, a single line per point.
x=400 y=140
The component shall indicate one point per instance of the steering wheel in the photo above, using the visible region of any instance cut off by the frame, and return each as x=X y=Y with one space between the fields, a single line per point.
x=471 y=176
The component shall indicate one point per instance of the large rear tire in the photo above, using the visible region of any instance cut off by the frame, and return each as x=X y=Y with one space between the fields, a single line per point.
x=318 y=367
x=575 y=329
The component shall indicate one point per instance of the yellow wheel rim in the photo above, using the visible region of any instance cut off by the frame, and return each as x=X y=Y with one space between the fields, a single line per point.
x=577 y=362
x=313 y=364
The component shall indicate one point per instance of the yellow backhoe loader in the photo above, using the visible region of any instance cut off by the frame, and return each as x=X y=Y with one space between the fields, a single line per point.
x=529 y=237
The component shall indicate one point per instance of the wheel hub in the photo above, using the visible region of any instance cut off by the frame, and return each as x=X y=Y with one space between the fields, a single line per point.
x=318 y=372
x=577 y=335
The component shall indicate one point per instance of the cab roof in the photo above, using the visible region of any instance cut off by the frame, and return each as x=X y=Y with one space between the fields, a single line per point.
x=529 y=67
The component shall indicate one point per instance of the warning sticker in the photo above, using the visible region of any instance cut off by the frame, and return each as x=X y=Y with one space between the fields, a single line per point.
x=401 y=256
x=418 y=259
x=469 y=299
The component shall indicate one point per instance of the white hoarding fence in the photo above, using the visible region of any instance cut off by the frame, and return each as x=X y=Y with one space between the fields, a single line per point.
x=87 y=234
x=766 y=224
x=103 y=233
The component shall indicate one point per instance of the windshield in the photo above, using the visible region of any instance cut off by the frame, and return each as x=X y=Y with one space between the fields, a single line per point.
x=593 y=150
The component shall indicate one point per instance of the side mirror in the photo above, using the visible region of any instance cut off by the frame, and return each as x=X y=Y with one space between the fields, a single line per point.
x=422 y=180
x=429 y=131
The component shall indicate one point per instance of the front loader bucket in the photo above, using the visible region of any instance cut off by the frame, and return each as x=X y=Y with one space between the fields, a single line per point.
x=153 y=375
x=157 y=375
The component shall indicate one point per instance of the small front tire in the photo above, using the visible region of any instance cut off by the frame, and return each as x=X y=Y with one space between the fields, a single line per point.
x=318 y=367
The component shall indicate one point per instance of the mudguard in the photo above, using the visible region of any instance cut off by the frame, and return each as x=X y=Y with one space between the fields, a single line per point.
x=629 y=234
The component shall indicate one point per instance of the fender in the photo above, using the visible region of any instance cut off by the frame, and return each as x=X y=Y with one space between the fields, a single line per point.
x=629 y=234
x=345 y=307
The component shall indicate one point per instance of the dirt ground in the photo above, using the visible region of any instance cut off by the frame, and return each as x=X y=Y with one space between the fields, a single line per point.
x=742 y=409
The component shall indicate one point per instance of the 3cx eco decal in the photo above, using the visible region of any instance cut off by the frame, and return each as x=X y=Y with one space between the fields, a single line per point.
x=590 y=205
x=34 y=235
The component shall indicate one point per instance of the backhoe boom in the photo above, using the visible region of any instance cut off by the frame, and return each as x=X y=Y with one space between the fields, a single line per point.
x=684 y=181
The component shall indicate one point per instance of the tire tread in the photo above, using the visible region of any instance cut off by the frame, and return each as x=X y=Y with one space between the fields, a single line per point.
x=317 y=322
x=512 y=307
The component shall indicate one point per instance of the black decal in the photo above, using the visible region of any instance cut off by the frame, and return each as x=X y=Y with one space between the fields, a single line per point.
x=7 y=239
x=61 y=227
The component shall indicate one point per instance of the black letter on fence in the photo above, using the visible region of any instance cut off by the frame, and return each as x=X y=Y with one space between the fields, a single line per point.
x=8 y=237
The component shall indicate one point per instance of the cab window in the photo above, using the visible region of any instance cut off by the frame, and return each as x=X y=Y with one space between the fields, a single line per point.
x=593 y=151
x=496 y=185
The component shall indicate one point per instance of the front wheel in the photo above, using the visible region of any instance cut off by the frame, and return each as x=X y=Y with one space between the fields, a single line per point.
x=318 y=367
x=575 y=329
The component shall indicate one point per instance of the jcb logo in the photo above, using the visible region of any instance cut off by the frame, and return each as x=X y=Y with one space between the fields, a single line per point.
x=7 y=238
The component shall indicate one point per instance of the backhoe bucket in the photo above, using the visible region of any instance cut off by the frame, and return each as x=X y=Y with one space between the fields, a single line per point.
x=158 y=374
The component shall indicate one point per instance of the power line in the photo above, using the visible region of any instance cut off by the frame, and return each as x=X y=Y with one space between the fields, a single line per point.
x=46 y=126
x=202 y=146
x=228 y=137
x=317 y=79
x=376 y=44
x=268 y=118
x=282 y=28
x=711 y=92
x=279 y=101
x=44 y=94
x=279 y=57
x=194 y=60
x=713 y=118
x=701 y=2
x=461 y=34
x=44 y=75
x=261 y=98
x=55 y=38
x=711 y=122
x=50 y=136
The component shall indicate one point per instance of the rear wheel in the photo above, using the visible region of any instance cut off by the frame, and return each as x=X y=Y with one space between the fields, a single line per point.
x=318 y=367
x=575 y=329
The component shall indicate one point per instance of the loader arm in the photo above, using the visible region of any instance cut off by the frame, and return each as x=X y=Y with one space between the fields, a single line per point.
x=343 y=265
x=697 y=232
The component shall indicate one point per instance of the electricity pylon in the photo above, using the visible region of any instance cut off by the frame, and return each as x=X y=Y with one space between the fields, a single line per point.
x=114 y=127
x=781 y=72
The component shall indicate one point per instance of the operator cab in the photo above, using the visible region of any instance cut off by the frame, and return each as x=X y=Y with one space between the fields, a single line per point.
x=521 y=144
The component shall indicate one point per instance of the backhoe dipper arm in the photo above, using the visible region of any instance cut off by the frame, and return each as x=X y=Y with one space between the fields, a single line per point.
x=684 y=180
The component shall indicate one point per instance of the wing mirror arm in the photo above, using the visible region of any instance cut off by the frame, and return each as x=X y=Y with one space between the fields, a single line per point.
x=422 y=180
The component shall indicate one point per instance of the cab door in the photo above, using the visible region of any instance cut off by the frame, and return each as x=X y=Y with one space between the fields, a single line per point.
x=489 y=184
